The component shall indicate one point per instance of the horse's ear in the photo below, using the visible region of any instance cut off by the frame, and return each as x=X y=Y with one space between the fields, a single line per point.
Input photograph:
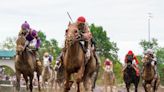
x=69 y=23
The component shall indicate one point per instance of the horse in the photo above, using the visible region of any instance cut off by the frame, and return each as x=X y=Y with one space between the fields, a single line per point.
x=48 y=75
x=24 y=63
x=148 y=75
x=73 y=59
x=90 y=74
x=129 y=76
x=59 y=78
x=109 y=79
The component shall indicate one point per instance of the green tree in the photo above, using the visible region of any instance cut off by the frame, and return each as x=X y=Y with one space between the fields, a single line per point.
x=106 y=49
x=104 y=46
x=160 y=63
x=153 y=44
x=50 y=46
x=9 y=43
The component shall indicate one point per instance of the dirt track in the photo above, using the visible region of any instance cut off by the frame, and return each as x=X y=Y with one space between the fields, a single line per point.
x=97 y=89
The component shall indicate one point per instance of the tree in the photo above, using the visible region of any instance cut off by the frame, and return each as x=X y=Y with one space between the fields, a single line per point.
x=153 y=44
x=106 y=49
x=50 y=46
x=104 y=46
x=160 y=63
x=9 y=43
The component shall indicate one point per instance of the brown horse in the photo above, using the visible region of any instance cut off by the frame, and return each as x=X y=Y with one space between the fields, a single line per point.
x=148 y=75
x=109 y=79
x=24 y=64
x=74 y=61
x=90 y=74
x=48 y=75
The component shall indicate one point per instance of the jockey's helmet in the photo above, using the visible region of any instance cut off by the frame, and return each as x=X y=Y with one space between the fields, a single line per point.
x=107 y=59
x=46 y=54
x=149 y=51
x=130 y=52
x=81 y=19
x=34 y=33
x=25 y=26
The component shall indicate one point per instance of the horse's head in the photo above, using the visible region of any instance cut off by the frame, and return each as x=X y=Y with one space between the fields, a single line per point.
x=72 y=34
x=20 y=43
x=147 y=60
x=129 y=65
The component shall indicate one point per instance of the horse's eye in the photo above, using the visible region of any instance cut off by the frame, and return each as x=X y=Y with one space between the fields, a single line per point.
x=75 y=31
x=66 y=30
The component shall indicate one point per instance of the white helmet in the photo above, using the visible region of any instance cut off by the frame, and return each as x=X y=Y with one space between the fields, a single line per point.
x=149 y=51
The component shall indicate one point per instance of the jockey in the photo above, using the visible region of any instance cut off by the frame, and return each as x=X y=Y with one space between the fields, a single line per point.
x=47 y=60
x=108 y=65
x=30 y=37
x=130 y=57
x=86 y=36
x=25 y=28
x=150 y=52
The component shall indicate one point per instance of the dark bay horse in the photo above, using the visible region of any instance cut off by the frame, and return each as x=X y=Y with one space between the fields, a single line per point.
x=129 y=76
x=24 y=64
x=148 y=75
x=74 y=58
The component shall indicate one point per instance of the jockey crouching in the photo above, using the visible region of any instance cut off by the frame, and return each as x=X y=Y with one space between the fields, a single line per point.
x=86 y=40
x=47 y=60
x=150 y=53
x=130 y=57
x=31 y=36
x=108 y=65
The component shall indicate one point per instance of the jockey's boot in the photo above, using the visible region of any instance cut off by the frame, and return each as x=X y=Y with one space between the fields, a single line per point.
x=155 y=76
x=136 y=69
x=96 y=57
x=88 y=52
x=26 y=44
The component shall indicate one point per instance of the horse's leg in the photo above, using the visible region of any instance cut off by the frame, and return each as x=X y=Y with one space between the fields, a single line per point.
x=26 y=79
x=80 y=73
x=67 y=78
x=38 y=77
x=111 y=88
x=86 y=82
x=18 y=74
x=128 y=87
x=94 y=78
x=78 y=86
x=144 y=85
x=31 y=79
x=136 y=87
x=154 y=86
x=157 y=83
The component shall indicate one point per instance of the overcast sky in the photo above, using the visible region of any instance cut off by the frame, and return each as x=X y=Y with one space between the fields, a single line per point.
x=124 y=20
